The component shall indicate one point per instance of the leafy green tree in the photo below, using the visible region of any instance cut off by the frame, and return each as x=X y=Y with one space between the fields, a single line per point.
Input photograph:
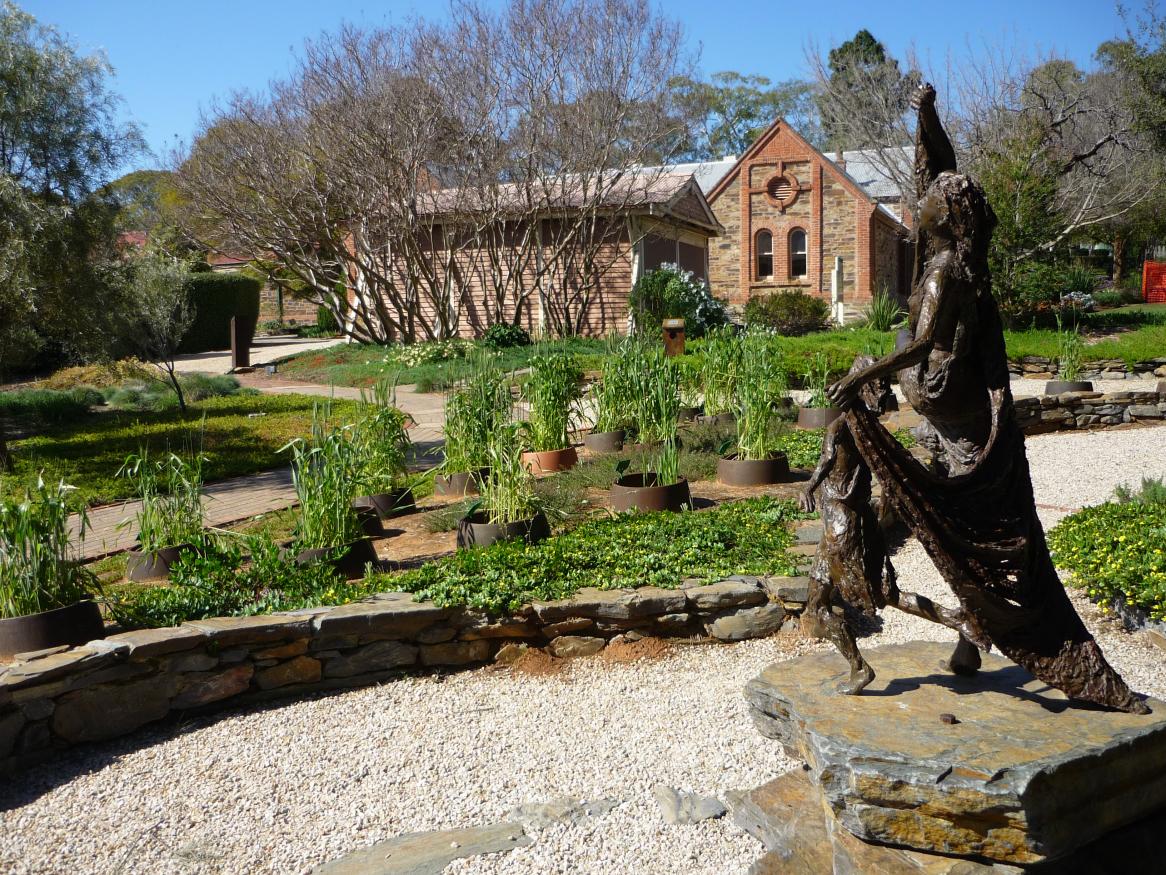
x=732 y=109
x=863 y=95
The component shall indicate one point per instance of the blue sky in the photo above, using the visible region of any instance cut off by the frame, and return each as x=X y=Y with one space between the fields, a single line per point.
x=172 y=58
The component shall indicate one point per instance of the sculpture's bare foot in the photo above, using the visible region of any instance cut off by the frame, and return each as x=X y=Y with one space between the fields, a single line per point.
x=859 y=679
x=965 y=660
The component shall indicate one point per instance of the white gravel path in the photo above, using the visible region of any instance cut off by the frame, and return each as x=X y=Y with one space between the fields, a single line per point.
x=283 y=788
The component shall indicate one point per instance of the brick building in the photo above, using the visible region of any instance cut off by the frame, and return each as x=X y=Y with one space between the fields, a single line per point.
x=789 y=210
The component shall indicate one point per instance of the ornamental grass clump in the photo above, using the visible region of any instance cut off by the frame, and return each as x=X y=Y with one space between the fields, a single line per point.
x=324 y=470
x=816 y=380
x=380 y=442
x=553 y=391
x=507 y=495
x=884 y=313
x=472 y=412
x=722 y=367
x=170 y=494
x=760 y=388
x=656 y=395
x=39 y=568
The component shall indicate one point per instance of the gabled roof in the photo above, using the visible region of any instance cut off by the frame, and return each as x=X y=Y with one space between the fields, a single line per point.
x=650 y=190
x=867 y=167
x=706 y=173
x=867 y=173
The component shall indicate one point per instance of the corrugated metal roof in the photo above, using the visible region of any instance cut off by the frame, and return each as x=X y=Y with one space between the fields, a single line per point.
x=707 y=173
x=866 y=168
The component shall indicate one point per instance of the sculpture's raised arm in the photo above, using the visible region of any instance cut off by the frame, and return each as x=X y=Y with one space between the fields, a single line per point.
x=933 y=150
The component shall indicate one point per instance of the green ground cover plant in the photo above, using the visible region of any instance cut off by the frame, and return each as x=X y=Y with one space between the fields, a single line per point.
x=651 y=549
x=236 y=575
x=240 y=435
x=361 y=365
x=1117 y=553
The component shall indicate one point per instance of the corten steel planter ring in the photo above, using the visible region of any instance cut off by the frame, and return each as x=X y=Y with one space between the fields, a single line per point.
x=461 y=483
x=734 y=471
x=725 y=418
x=349 y=559
x=73 y=624
x=688 y=414
x=550 y=461
x=476 y=531
x=153 y=564
x=1059 y=387
x=641 y=492
x=368 y=516
x=817 y=417
x=395 y=502
x=605 y=441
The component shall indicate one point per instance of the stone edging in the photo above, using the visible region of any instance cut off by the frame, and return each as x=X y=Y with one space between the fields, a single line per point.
x=1073 y=410
x=53 y=699
x=1103 y=369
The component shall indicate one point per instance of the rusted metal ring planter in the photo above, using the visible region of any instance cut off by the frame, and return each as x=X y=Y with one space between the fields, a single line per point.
x=72 y=624
x=688 y=414
x=368 y=516
x=395 y=502
x=605 y=441
x=153 y=564
x=734 y=471
x=550 y=461
x=349 y=559
x=817 y=417
x=461 y=483
x=641 y=492
x=476 y=531
x=727 y=418
x=1059 y=387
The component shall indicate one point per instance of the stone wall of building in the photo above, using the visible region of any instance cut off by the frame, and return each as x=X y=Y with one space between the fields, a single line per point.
x=838 y=236
x=57 y=698
x=725 y=251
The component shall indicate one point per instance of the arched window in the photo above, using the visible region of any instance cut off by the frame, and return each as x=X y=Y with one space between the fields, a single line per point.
x=797 y=253
x=764 y=249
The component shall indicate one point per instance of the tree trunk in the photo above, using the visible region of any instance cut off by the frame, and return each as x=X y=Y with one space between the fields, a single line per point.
x=173 y=375
x=1119 y=254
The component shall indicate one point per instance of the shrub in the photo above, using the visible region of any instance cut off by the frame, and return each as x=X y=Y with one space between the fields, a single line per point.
x=216 y=298
x=504 y=336
x=671 y=293
x=410 y=355
x=101 y=376
x=1109 y=298
x=790 y=313
x=1152 y=491
x=38 y=567
x=326 y=321
x=1115 y=553
x=153 y=394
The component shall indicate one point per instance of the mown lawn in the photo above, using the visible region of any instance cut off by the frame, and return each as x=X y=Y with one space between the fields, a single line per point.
x=239 y=434
x=357 y=364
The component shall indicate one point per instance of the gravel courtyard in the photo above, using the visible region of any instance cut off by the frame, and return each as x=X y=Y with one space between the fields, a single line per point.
x=284 y=788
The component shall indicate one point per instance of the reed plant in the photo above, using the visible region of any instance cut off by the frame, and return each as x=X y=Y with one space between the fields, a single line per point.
x=722 y=366
x=1070 y=352
x=553 y=392
x=39 y=567
x=381 y=441
x=760 y=389
x=508 y=494
x=816 y=379
x=614 y=394
x=472 y=412
x=884 y=313
x=169 y=490
x=323 y=471
x=657 y=400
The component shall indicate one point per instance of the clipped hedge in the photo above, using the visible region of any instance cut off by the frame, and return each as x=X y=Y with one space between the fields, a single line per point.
x=216 y=298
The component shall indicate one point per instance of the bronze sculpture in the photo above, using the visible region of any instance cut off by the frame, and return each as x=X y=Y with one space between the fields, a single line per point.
x=976 y=515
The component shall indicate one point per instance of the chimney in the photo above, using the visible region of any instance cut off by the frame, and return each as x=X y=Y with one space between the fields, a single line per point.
x=840 y=161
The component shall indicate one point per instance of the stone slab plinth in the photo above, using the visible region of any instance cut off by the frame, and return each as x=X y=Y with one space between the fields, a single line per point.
x=1021 y=777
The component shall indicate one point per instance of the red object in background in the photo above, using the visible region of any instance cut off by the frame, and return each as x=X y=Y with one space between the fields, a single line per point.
x=1154 y=282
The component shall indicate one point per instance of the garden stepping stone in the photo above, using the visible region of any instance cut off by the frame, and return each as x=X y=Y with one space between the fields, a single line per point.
x=564 y=810
x=685 y=808
x=427 y=853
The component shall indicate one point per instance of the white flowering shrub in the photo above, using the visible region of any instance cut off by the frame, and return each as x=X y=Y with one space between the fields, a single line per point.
x=672 y=293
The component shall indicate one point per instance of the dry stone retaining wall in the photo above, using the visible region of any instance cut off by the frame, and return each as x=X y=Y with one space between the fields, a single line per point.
x=53 y=699
x=1105 y=369
x=1072 y=410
